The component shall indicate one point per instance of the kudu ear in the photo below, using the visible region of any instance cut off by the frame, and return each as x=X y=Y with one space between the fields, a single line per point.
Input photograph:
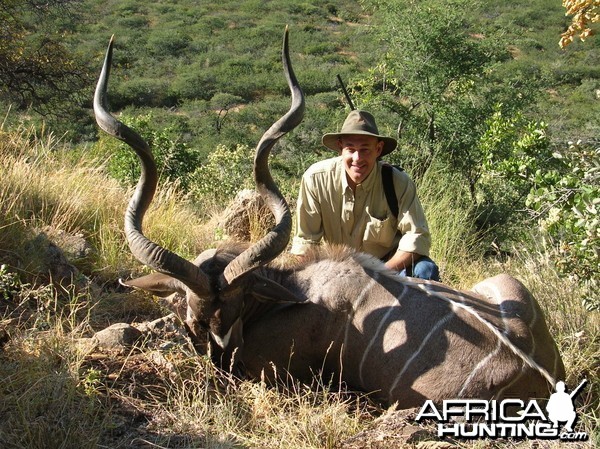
x=264 y=289
x=158 y=284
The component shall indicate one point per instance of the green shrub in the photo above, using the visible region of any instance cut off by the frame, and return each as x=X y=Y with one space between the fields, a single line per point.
x=511 y=149
x=175 y=160
x=167 y=44
x=230 y=170
x=566 y=204
x=321 y=48
x=142 y=92
x=133 y=22
x=193 y=83
x=225 y=172
x=10 y=284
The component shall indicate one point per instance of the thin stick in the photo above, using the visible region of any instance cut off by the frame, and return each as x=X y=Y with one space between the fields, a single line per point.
x=348 y=99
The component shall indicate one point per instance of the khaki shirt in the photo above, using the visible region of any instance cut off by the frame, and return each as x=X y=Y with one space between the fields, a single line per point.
x=328 y=209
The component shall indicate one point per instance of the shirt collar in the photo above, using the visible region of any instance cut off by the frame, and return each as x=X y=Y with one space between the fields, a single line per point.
x=342 y=173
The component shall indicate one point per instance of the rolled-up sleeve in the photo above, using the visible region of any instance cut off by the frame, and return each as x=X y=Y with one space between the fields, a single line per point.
x=309 y=226
x=412 y=223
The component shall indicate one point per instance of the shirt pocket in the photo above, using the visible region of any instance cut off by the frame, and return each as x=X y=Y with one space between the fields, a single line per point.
x=381 y=232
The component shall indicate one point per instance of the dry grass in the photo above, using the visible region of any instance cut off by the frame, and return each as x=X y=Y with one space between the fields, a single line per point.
x=41 y=186
x=576 y=330
x=452 y=237
x=57 y=393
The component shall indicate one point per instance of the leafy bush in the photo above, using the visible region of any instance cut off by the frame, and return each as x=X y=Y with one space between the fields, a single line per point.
x=133 y=22
x=10 y=284
x=566 y=203
x=226 y=172
x=193 y=83
x=321 y=48
x=230 y=170
x=167 y=44
x=142 y=92
x=174 y=159
x=511 y=150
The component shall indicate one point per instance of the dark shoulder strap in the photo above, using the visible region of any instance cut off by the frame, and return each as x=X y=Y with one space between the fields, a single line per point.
x=387 y=175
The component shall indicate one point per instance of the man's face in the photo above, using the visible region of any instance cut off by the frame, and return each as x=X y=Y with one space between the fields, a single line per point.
x=359 y=155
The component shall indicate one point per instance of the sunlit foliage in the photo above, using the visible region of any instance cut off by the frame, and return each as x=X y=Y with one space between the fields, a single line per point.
x=585 y=13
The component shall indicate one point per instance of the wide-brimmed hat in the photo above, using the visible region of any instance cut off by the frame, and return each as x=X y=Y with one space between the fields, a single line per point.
x=359 y=122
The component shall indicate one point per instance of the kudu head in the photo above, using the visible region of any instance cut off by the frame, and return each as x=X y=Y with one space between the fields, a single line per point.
x=216 y=283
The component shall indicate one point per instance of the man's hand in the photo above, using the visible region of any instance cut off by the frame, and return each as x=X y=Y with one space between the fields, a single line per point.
x=402 y=260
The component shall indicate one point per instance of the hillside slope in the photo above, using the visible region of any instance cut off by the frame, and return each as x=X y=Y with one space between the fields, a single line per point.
x=214 y=68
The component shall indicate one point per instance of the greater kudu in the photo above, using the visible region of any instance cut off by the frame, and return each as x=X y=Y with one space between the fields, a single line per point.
x=341 y=315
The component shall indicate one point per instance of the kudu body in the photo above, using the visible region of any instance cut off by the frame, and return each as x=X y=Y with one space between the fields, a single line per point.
x=341 y=314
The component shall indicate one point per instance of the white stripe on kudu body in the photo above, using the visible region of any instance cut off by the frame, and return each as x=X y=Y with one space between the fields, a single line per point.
x=439 y=326
x=499 y=334
x=483 y=363
x=492 y=291
x=356 y=305
x=384 y=323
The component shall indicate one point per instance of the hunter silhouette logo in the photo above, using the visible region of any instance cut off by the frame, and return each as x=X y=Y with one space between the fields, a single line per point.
x=560 y=406
x=509 y=418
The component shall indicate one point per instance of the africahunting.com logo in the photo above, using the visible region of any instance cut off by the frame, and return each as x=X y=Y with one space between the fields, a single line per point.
x=509 y=418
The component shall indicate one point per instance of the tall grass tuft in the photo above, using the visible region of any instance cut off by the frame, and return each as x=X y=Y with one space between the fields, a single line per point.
x=575 y=329
x=44 y=186
x=455 y=247
x=252 y=414
x=42 y=402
